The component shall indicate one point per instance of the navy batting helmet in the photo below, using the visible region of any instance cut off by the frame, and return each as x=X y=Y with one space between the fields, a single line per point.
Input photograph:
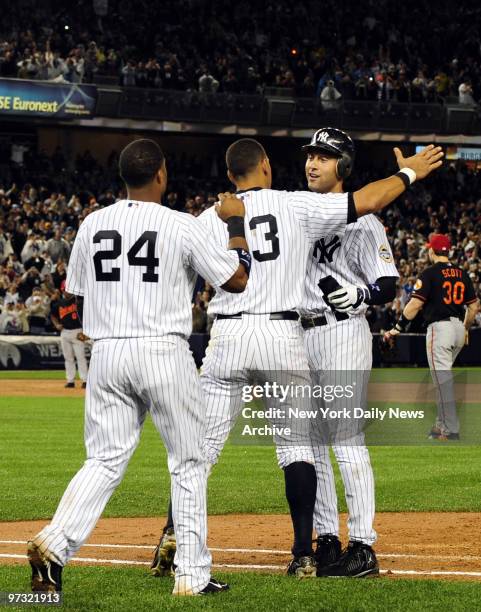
x=337 y=143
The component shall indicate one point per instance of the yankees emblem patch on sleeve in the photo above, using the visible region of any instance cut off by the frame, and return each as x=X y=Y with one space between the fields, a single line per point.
x=385 y=253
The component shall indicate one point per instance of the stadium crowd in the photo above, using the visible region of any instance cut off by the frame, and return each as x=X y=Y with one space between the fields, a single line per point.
x=366 y=51
x=39 y=217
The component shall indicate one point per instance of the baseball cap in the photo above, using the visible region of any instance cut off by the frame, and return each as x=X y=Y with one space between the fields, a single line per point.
x=439 y=243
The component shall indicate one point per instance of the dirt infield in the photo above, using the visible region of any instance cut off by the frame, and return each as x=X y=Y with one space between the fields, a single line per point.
x=395 y=392
x=422 y=545
x=39 y=388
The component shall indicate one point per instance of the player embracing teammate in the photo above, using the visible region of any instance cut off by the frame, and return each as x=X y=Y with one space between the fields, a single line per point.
x=258 y=333
x=345 y=274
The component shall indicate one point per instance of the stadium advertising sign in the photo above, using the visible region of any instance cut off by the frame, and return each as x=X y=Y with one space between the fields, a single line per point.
x=454 y=152
x=48 y=100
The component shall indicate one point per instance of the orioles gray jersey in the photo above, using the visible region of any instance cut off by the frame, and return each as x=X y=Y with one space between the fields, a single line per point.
x=281 y=227
x=138 y=278
x=361 y=256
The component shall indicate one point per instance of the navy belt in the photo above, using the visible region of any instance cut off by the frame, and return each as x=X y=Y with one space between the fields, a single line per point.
x=286 y=315
x=310 y=322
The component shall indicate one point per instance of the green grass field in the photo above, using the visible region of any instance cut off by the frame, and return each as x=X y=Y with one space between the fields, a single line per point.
x=50 y=431
x=378 y=375
x=42 y=447
x=109 y=590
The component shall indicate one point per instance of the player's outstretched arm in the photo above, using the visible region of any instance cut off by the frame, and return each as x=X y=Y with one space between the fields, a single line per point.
x=375 y=196
x=232 y=211
x=408 y=314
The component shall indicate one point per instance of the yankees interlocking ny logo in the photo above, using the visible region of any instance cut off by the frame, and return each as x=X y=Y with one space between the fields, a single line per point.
x=325 y=250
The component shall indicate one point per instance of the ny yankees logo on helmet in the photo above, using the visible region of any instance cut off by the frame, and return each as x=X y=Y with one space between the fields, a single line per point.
x=325 y=251
x=337 y=143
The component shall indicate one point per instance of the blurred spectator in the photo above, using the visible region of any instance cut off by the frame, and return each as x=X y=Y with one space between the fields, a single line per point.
x=57 y=247
x=207 y=83
x=6 y=248
x=28 y=282
x=59 y=275
x=38 y=306
x=32 y=248
x=465 y=91
x=13 y=319
x=129 y=72
x=330 y=96
x=11 y=294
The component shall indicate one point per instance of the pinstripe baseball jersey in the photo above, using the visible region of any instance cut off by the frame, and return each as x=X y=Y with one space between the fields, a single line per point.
x=281 y=227
x=135 y=263
x=361 y=256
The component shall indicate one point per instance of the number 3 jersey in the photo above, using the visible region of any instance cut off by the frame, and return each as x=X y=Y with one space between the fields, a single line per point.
x=135 y=263
x=445 y=289
x=281 y=228
x=360 y=257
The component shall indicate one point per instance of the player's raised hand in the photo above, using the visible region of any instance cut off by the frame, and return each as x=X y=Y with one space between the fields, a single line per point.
x=230 y=206
x=423 y=163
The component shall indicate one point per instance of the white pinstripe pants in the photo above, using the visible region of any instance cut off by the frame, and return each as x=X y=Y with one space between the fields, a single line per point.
x=344 y=346
x=250 y=349
x=127 y=378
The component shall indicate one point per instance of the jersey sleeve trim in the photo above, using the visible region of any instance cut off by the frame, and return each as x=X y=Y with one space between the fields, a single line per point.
x=471 y=301
x=419 y=297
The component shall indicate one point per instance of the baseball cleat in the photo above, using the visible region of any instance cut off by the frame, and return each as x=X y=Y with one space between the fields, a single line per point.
x=46 y=574
x=443 y=435
x=84 y=385
x=70 y=385
x=358 y=560
x=328 y=550
x=214 y=586
x=448 y=436
x=302 y=567
x=163 y=562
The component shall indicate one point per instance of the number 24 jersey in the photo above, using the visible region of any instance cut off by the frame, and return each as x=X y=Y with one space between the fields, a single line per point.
x=135 y=263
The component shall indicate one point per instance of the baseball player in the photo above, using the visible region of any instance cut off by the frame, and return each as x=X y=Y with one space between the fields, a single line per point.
x=344 y=275
x=442 y=292
x=258 y=334
x=134 y=263
x=66 y=319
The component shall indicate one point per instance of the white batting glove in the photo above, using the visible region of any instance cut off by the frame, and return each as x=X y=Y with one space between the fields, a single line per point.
x=348 y=297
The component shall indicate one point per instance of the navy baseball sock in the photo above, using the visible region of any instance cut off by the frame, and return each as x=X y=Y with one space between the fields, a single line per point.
x=301 y=485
